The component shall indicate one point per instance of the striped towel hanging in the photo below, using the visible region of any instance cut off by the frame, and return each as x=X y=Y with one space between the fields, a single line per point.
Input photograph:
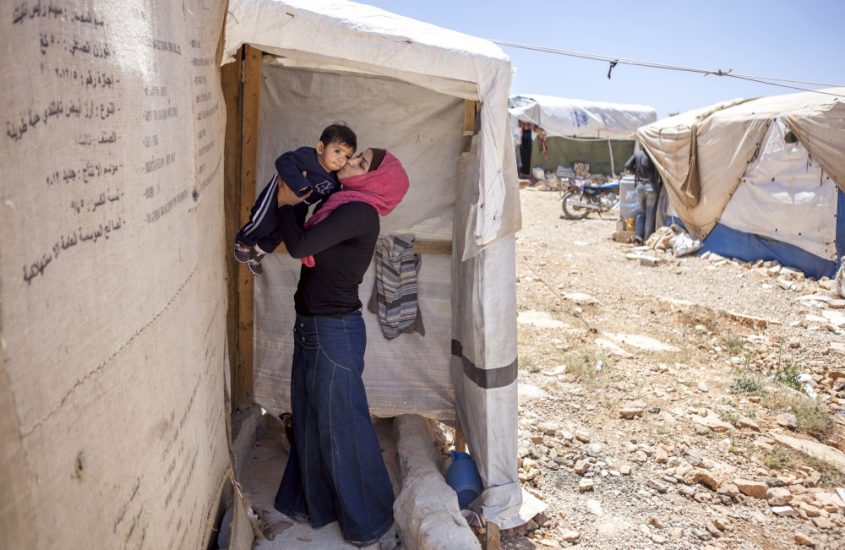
x=394 y=297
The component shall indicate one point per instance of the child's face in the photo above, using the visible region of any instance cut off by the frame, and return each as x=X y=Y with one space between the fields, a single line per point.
x=333 y=156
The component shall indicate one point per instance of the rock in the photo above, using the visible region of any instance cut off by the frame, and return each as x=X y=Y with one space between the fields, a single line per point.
x=745 y=422
x=686 y=491
x=548 y=428
x=582 y=436
x=712 y=421
x=656 y=522
x=581 y=467
x=585 y=485
x=778 y=496
x=720 y=524
x=713 y=530
x=569 y=535
x=809 y=509
x=658 y=539
x=794 y=343
x=728 y=489
x=625 y=469
x=701 y=430
x=753 y=489
x=823 y=523
x=640 y=457
x=594 y=507
x=657 y=486
x=701 y=534
x=703 y=477
x=661 y=455
x=833 y=456
x=630 y=412
x=803 y=540
x=702 y=497
x=702 y=387
x=783 y=511
x=787 y=420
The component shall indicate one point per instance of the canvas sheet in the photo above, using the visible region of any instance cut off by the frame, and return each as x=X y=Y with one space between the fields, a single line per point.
x=785 y=196
x=564 y=117
x=367 y=39
x=423 y=129
x=112 y=296
x=703 y=154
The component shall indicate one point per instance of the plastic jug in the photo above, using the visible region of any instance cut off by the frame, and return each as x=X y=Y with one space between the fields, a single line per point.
x=462 y=476
x=628 y=200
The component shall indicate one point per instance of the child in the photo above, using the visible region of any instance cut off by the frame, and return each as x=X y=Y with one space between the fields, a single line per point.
x=305 y=170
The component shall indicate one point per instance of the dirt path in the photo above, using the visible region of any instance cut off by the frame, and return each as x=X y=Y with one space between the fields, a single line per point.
x=653 y=398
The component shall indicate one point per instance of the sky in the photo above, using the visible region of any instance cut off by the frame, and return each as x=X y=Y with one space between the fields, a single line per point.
x=797 y=40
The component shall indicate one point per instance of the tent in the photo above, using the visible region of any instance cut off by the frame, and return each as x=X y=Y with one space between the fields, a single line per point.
x=759 y=179
x=125 y=153
x=599 y=133
x=413 y=88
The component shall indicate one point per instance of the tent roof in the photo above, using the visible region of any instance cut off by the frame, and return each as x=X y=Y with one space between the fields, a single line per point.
x=703 y=154
x=340 y=35
x=560 y=116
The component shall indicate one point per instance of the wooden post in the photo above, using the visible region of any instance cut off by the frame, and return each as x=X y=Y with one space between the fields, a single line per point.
x=470 y=124
x=492 y=537
x=249 y=156
x=460 y=440
x=230 y=76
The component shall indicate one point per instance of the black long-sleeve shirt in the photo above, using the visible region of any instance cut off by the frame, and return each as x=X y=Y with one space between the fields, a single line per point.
x=342 y=246
x=291 y=165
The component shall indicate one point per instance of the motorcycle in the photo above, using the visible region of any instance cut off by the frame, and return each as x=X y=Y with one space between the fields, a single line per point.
x=582 y=198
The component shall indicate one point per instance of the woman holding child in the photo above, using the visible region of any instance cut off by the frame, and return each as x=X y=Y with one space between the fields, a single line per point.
x=335 y=471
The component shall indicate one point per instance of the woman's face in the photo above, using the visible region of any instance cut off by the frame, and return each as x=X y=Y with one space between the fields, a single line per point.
x=356 y=165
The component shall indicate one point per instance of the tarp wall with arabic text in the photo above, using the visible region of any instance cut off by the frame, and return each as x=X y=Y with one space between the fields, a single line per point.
x=112 y=296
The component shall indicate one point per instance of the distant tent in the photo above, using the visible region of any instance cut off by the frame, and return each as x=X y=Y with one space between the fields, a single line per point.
x=581 y=131
x=759 y=179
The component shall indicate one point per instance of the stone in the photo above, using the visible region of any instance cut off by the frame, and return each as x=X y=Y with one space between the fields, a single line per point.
x=661 y=455
x=809 y=509
x=658 y=539
x=569 y=535
x=745 y=422
x=702 y=387
x=656 y=522
x=585 y=485
x=778 y=496
x=713 y=530
x=702 y=534
x=658 y=486
x=823 y=523
x=625 y=469
x=548 y=428
x=582 y=436
x=701 y=476
x=787 y=420
x=581 y=467
x=594 y=507
x=753 y=489
x=630 y=412
x=712 y=421
x=832 y=456
x=686 y=491
x=783 y=511
x=721 y=524
x=702 y=497
x=803 y=540
x=640 y=457
x=728 y=489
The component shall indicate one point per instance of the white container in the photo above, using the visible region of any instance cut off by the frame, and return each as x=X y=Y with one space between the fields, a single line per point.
x=627 y=198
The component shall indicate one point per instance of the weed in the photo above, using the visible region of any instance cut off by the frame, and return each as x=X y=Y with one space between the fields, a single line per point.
x=731 y=343
x=831 y=476
x=776 y=458
x=812 y=416
x=585 y=367
x=730 y=417
x=749 y=383
x=787 y=374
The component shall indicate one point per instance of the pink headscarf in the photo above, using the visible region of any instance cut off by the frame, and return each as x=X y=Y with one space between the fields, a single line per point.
x=382 y=189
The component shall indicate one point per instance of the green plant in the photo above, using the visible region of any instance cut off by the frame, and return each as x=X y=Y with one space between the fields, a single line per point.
x=728 y=416
x=787 y=374
x=776 y=458
x=731 y=343
x=831 y=476
x=812 y=416
x=749 y=383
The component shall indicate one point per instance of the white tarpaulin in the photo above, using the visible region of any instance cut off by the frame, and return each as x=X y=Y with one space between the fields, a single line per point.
x=702 y=155
x=112 y=293
x=564 y=117
x=357 y=37
x=400 y=84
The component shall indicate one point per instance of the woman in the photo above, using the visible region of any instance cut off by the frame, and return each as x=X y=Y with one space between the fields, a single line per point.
x=335 y=471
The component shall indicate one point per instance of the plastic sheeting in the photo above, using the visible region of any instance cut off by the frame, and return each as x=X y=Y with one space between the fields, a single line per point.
x=356 y=37
x=112 y=302
x=702 y=155
x=564 y=117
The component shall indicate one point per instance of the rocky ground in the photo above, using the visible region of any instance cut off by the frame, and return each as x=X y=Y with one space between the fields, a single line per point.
x=666 y=402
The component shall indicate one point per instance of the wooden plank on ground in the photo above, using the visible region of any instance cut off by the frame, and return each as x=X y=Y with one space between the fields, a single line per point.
x=249 y=157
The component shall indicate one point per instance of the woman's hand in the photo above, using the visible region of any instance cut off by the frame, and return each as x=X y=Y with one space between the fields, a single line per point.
x=286 y=196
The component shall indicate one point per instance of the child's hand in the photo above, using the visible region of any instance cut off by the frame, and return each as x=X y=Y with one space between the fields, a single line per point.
x=286 y=195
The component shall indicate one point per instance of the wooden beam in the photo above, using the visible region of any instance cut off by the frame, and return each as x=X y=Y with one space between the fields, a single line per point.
x=492 y=537
x=249 y=157
x=442 y=248
x=470 y=124
x=230 y=76
x=460 y=440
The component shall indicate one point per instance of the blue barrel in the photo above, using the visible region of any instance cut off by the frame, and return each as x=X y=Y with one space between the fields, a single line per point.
x=463 y=477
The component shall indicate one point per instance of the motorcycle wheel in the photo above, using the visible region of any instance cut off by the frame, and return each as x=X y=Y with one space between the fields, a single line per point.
x=573 y=211
x=607 y=203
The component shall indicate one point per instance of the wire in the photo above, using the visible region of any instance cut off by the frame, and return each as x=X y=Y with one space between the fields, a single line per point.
x=771 y=81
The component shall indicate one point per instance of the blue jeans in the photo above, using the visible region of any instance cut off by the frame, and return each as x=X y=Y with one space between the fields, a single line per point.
x=335 y=471
x=646 y=210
